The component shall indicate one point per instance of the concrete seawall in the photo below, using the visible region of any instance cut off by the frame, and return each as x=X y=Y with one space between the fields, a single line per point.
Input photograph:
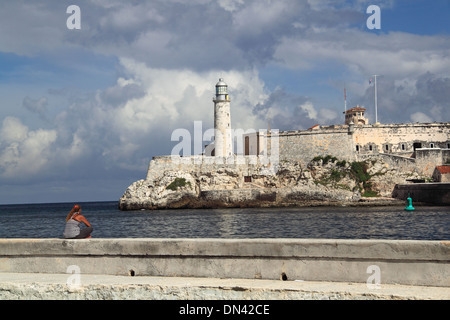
x=435 y=193
x=408 y=262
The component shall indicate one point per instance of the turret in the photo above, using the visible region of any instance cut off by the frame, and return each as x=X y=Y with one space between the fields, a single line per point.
x=356 y=115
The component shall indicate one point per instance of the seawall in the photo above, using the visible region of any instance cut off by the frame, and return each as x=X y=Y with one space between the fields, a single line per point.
x=403 y=262
x=434 y=193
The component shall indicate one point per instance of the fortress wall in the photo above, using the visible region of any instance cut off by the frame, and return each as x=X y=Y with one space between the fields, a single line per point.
x=396 y=139
x=395 y=135
x=428 y=159
x=244 y=165
x=303 y=146
x=446 y=156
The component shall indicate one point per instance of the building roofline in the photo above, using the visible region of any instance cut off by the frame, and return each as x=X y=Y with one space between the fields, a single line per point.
x=341 y=127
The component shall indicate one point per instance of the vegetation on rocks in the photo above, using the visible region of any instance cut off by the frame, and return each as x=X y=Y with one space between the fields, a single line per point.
x=325 y=179
x=347 y=175
x=177 y=183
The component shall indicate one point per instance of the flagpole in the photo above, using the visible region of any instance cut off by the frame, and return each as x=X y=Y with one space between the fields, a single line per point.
x=376 y=103
x=345 y=103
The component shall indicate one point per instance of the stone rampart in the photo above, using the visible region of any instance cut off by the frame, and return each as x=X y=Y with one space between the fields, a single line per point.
x=245 y=165
x=303 y=146
x=428 y=158
x=360 y=142
x=400 y=138
x=405 y=262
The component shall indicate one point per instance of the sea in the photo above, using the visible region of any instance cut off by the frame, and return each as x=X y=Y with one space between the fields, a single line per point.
x=387 y=222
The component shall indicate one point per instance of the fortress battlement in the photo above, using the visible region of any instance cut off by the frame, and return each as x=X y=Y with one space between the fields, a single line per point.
x=358 y=142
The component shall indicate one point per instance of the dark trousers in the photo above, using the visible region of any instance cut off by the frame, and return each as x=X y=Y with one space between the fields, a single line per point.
x=84 y=233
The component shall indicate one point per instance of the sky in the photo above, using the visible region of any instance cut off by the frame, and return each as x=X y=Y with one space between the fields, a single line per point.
x=84 y=110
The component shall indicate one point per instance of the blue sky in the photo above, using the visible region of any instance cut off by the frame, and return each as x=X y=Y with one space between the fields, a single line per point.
x=418 y=17
x=83 y=111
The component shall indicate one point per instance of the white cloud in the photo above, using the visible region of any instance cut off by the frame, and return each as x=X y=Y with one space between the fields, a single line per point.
x=327 y=116
x=258 y=15
x=13 y=131
x=420 y=117
x=309 y=109
x=22 y=151
x=395 y=54
x=179 y=97
x=231 y=5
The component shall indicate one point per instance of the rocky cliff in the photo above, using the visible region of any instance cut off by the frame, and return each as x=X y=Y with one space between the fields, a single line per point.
x=325 y=180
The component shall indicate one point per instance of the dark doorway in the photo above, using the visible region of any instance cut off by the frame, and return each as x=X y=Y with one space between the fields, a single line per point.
x=417 y=145
x=247 y=146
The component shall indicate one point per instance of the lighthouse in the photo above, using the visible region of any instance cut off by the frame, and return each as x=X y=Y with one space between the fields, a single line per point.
x=222 y=121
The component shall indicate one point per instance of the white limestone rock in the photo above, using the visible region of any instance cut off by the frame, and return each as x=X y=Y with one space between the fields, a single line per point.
x=327 y=182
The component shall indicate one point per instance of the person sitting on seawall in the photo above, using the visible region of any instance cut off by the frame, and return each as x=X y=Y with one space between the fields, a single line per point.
x=73 y=230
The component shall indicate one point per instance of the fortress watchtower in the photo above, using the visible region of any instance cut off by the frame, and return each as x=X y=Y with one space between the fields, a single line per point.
x=356 y=115
x=222 y=121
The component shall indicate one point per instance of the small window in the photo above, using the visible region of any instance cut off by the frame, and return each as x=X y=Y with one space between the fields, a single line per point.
x=448 y=145
x=386 y=147
x=357 y=148
x=247 y=179
x=403 y=147
x=431 y=145
x=370 y=148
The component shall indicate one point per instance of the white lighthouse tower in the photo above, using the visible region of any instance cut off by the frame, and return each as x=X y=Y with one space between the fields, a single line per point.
x=222 y=121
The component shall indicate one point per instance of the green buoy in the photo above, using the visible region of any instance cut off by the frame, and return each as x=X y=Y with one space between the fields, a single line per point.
x=409 y=207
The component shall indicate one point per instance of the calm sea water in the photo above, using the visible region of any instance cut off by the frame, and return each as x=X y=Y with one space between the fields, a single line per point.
x=47 y=221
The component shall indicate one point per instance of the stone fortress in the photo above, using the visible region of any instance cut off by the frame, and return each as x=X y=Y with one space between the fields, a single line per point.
x=418 y=146
x=282 y=168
